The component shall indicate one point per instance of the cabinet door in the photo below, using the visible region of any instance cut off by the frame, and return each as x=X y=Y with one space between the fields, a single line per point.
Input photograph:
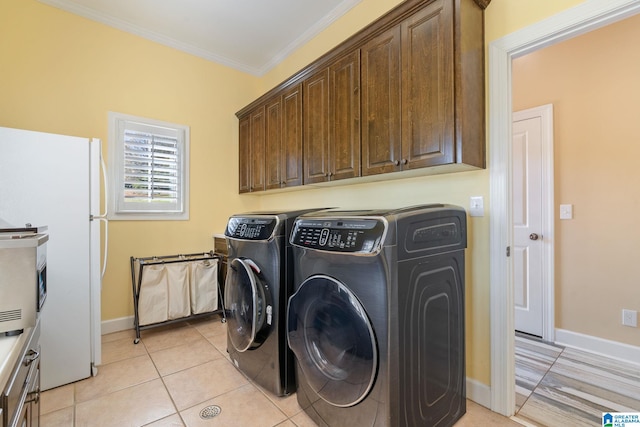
x=381 y=145
x=273 y=144
x=344 y=123
x=316 y=127
x=427 y=86
x=243 y=150
x=256 y=151
x=291 y=167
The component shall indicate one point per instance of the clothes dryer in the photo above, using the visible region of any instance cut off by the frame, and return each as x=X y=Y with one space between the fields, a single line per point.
x=377 y=318
x=258 y=283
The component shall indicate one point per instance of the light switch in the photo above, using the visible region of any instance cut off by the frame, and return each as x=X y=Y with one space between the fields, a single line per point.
x=476 y=206
x=566 y=211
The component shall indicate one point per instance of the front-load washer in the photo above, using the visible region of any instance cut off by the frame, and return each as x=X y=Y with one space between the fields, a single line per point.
x=259 y=281
x=376 y=321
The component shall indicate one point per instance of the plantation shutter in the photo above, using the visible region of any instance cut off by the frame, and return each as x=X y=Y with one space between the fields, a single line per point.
x=151 y=168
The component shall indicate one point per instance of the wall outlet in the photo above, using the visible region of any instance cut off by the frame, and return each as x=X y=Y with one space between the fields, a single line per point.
x=630 y=318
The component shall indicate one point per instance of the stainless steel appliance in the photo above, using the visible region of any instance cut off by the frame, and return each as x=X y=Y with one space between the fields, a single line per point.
x=20 y=398
x=23 y=277
x=377 y=318
x=259 y=282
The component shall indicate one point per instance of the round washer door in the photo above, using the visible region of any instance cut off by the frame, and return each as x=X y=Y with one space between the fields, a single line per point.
x=248 y=304
x=332 y=338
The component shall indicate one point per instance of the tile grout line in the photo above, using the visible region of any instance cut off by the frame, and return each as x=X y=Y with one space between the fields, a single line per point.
x=163 y=384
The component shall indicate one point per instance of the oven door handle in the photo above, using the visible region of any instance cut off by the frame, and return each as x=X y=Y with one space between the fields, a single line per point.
x=31 y=357
x=26 y=388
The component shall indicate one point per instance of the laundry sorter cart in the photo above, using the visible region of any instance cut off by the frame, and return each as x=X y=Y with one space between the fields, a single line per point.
x=174 y=288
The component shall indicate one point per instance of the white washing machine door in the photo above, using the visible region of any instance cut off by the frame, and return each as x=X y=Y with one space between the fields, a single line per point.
x=332 y=338
x=248 y=304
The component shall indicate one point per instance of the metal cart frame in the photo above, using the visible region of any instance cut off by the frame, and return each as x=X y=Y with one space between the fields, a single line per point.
x=169 y=259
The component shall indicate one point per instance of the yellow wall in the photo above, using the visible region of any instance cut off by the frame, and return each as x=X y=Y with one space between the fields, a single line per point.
x=61 y=73
x=592 y=82
x=503 y=17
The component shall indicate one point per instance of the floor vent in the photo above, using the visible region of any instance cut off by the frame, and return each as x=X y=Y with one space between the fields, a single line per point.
x=210 y=411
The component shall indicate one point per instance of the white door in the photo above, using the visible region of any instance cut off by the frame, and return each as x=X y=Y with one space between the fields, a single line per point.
x=532 y=198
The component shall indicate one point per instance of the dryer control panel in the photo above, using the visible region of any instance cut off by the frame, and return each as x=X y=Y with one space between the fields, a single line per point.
x=251 y=228
x=339 y=235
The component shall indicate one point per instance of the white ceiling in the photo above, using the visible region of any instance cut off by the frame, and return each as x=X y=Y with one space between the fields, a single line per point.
x=250 y=35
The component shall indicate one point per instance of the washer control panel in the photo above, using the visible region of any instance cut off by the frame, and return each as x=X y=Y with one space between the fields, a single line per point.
x=251 y=227
x=339 y=235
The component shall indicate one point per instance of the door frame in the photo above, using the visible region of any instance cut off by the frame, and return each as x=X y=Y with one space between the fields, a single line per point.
x=572 y=22
x=545 y=112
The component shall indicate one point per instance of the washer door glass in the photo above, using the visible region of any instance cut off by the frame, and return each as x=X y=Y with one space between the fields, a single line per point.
x=248 y=305
x=331 y=336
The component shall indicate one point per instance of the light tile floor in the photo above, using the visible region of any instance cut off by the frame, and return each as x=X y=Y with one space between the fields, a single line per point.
x=171 y=376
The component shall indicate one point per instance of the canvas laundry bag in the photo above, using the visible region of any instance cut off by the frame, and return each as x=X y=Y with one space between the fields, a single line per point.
x=204 y=286
x=178 y=290
x=154 y=298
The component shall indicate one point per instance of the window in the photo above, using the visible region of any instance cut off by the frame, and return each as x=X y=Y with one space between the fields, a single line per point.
x=148 y=168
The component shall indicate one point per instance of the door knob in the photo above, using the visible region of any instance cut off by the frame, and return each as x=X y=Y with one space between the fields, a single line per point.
x=533 y=236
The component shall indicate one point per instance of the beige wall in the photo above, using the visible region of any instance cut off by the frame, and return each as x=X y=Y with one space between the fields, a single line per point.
x=592 y=82
x=61 y=73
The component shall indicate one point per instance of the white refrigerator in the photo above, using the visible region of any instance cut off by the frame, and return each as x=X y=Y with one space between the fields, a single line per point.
x=54 y=180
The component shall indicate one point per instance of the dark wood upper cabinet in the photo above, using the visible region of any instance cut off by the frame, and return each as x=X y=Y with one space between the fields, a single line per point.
x=428 y=90
x=331 y=121
x=344 y=117
x=291 y=154
x=315 y=122
x=257 y=150
x=243 y=148
x=273 y=144
x=381 y=143
x=404 y=93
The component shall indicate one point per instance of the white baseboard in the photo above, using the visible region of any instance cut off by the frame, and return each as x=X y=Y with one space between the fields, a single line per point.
x=613 y=349
x=479 y=392
x=117 y=325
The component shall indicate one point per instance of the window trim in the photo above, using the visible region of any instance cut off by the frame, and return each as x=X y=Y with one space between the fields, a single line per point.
x=116 y=167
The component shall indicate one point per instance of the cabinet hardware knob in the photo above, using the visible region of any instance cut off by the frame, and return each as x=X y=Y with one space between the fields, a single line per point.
x=397 y=162
x=404 y=161
x=533 y=236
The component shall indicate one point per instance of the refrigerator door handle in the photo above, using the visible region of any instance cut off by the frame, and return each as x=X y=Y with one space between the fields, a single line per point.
x=103 y=216
x=105 y=245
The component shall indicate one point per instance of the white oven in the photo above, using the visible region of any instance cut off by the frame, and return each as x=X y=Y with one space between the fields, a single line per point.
x=23 y=277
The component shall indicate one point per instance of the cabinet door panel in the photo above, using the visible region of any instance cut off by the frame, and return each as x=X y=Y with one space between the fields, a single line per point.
x=291 y=168
x=243 y=151
x=427 y=86
x=344 y=126
x=273 y=144
x=256 y=151
x=316 y=127
x=381 y=145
